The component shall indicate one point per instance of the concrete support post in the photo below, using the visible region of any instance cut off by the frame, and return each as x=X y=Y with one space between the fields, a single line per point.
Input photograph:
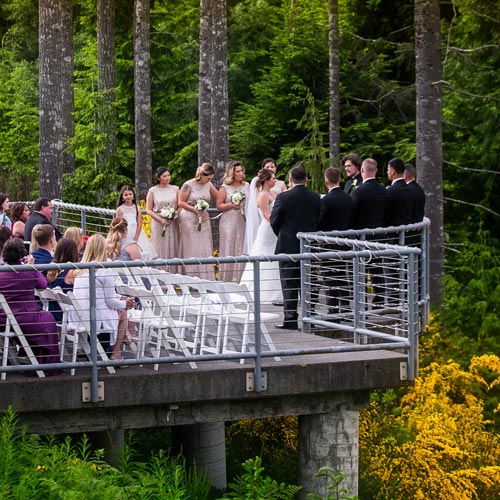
x=112 y=441
x=329 y=439
x=204 y=445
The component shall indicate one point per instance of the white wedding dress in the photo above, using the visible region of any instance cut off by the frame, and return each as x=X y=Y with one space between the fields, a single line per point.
x=264 y=244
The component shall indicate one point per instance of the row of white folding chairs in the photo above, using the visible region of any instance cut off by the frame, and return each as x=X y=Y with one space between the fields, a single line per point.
x=184 y=297
x=77 y=331
x=14 y=339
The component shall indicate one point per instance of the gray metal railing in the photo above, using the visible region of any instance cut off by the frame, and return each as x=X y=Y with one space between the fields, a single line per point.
x=384 y=299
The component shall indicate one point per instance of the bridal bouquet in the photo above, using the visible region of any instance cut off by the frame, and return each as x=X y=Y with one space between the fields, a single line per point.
x=237 y=197
x=201 y=205
x=168 y=212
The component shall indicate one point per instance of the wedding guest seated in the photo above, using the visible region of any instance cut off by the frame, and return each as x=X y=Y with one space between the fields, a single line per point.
x=111 y=314
x=4 y=206
x=18 y=288
x=19 y=213
x=66 y=251
x=42 y=214
x=75 y=233
x=5 y=236
x=119 y=246
x=45 y=238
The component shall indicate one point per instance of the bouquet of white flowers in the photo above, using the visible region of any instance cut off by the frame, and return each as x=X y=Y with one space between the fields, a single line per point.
x=237 y=197
x=168 y=212
x=201 y=205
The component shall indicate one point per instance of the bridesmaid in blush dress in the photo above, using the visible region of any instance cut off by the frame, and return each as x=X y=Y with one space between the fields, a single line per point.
x=232 y=221
x=159 y=196
x=194 y=242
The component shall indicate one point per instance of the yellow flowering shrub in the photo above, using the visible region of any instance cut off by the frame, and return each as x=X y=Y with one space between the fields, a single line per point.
x=436 y=444
x=146 y=219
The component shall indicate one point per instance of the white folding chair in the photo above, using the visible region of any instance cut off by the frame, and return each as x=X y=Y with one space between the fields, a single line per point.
x=78 y=331
x=10 y=333
x=231 y=304
x=166 y=324
x=155 y=321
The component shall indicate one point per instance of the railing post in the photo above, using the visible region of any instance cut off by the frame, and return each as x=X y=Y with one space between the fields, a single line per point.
x=83 y=220
x=258 y=345
x=412 y=292
x=93 y=337
x=358 y=295
x=305 y=288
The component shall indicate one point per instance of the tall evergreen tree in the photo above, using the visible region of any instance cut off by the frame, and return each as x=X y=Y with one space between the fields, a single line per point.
x=106 y=79
x=429 y=132
x=334 y=81
x=50 y=124
x=142 y=94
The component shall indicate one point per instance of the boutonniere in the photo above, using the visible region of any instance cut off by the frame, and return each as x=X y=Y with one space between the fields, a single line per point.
x=354 y=183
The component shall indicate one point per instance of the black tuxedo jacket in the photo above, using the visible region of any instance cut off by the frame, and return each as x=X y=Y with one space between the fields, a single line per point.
x=419 y=202
x=336 y=211
x=401 y=202
x=296 y=210
x=370 y=205
x=350 y=185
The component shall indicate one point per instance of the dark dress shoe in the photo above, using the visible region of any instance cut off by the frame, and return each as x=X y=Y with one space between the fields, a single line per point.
x=277 y=303
x=287 y=326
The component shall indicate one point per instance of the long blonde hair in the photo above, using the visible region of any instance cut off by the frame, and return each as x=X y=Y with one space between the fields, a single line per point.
x=95 y=250
x=117 y=231
x=74 y=233
x=229 y=173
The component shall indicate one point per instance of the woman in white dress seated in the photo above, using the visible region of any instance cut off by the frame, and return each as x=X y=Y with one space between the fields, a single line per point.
x=265 y=243
x=111 y=314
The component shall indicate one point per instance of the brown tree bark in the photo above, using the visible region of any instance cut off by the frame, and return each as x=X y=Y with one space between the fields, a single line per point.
x=429 y=133
x=334 y=78
x=56 y=101
x=67 y=95
x=219 y=152
x=106 y=79
x=142 y=94
x=204 y=82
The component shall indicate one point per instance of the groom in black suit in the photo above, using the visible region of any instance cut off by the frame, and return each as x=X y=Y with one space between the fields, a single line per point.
x=296 y=210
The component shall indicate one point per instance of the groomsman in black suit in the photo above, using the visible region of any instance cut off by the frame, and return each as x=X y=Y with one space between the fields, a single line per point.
x=352 y=167
x=401 y=196
x=418 y=211
x=371 y=201
x=336 y=210
x=296 y=210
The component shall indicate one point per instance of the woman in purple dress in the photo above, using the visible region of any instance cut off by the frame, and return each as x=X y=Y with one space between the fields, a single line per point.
x=18 y=288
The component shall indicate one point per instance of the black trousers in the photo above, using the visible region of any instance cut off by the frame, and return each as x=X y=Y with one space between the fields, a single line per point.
x=290 y=285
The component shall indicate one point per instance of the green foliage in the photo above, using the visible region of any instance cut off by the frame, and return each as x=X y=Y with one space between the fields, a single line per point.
x=274 y=440
x=335 y=491
x=32 y=468
x=253 y=485
x=472 y=298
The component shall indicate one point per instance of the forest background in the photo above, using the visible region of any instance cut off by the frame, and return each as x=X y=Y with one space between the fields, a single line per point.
x=278 y=106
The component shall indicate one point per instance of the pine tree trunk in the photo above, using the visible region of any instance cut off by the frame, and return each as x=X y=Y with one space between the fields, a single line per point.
x=219 y=153
x=142 y=93
x=50 y=123
x=67 y=95
x=106 y=79
x=334 y=77
x=204 y=78
x=429 y=133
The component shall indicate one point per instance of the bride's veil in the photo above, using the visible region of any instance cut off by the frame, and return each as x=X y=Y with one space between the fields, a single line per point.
x=252 y=217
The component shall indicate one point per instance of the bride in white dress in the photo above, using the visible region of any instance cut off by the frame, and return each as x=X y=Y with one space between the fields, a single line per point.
x=265 y=243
